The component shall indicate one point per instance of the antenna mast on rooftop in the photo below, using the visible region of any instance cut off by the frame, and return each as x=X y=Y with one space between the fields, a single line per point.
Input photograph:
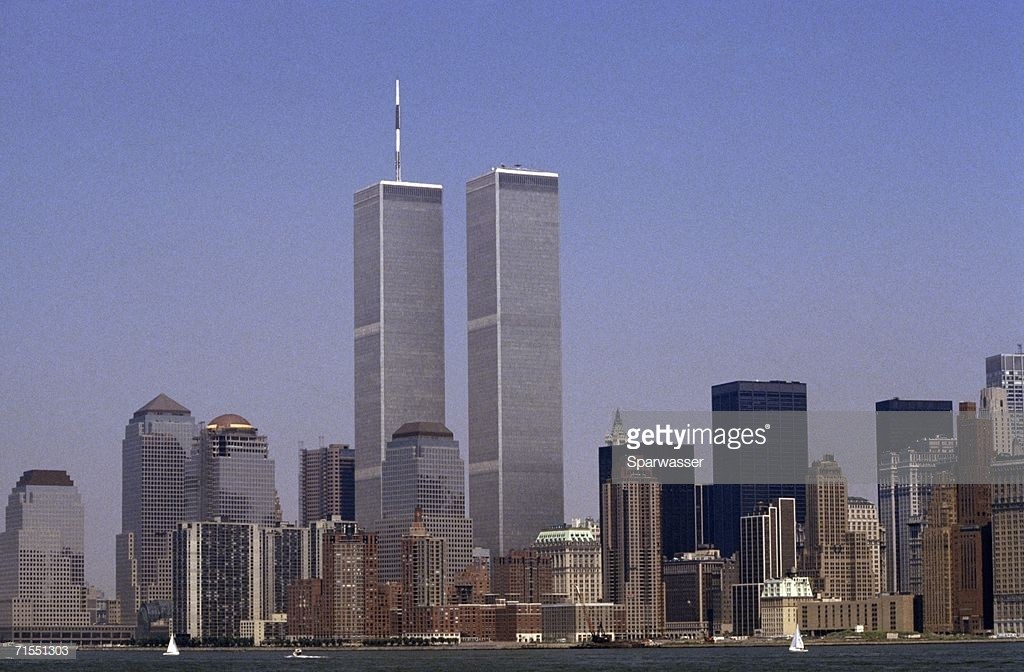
x=398 y=136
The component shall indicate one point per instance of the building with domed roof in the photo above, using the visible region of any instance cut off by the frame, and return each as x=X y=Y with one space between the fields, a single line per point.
x=229 y=475
x=42 y=565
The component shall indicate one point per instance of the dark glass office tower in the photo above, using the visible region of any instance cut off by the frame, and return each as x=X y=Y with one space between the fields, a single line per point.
x=906 y=459
x=398 y=268
x=786 y=452
x=515 y=357
x=681 y=513
x=918 y=419
x=327 y=483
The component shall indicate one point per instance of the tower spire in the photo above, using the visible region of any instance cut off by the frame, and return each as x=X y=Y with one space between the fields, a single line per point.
x=617 y=437
x=398 y=135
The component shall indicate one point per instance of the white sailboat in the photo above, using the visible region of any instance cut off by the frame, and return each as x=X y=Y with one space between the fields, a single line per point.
x=172 y=647
x=797 y=645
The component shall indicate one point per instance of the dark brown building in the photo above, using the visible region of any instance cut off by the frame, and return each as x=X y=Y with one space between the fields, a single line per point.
x=522 y=575
x=345 y=603
x=307 y=610
x=518 y=622
x=958 y=534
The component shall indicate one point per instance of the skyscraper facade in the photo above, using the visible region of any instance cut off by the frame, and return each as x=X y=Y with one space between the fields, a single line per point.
x=826 y=526
x=694 y=593
x=632 y=555
x=575 y=554
x=42 y=565
x=523 y=575
x=217 y=578
x=1007 y=372
x=343 y=604
x=605 y=455
x=327 y=483
x=1008 y=545
x=902 y=425
x=682 y=513
x=230 y=476
x=515 y=356
x=841 y=558
x=993 y=406
x=862 y=519
x=764 y=545
x=226 y=576
x=423 y=471
x=424 y=579
x=904 y=493
x=783 y=405
x=398 y=270
x=157 y=440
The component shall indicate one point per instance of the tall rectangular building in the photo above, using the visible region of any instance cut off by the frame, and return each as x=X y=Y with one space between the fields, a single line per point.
x=398 y=269
x=515 y=356
x=737 y=490
x=1007 y=372
x=1008 y=545
x=763 y=551
x=42 y=566
x=229 y=475
x=840 y=558
x=904 y=493
x=902 y=428
x=327 y=483
x=229 y=574
x=157 y=440
x=343 y=604
x=632 y=555
x=423 y=474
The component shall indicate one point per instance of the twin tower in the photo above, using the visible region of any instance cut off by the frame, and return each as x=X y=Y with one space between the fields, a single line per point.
x=514 y=339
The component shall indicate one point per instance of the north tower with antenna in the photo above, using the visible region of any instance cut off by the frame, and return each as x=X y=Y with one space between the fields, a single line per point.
x=398 y=273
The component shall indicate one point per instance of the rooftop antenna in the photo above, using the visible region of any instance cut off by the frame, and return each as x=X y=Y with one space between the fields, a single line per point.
x=398 y=136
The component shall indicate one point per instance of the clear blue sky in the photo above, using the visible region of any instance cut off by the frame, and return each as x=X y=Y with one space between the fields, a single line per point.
x=826 y=192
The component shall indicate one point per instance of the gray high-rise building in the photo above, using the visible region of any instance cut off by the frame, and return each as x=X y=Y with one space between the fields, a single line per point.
x=42 y=566
x=157 y=439
x=903 y=428
x=423 y=470
x=229 y=475
x=327 y=483
x=904 y=493
x=398 y=269
x=1007 y=372
x=515 y=356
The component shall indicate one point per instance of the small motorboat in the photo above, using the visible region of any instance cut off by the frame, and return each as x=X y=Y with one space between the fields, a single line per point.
x=297 y=653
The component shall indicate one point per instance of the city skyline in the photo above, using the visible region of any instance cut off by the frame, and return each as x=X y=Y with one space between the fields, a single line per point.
x=706 y=168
